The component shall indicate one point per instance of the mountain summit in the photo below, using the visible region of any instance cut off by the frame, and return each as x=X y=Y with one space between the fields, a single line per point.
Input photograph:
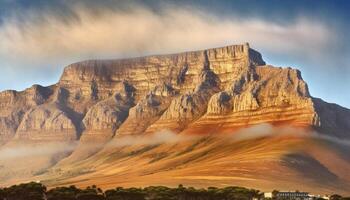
x=201 y=94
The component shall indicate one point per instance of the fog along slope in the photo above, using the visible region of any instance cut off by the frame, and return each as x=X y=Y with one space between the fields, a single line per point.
x=97 y=125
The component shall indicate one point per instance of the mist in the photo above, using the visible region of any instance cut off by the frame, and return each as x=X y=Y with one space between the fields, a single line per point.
x=268 y=130
x=161 y=137
x=258 y=131
x=8 y=152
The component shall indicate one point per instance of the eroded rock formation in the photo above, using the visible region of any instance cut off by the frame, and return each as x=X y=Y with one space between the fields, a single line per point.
x=210 y=91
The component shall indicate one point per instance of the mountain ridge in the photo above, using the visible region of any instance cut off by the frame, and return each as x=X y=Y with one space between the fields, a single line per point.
x=206 y=92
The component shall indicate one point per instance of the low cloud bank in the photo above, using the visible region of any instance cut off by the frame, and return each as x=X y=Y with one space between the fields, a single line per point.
x=166 y=137
x=267 y=130
x=19 y=151
x=32 y=150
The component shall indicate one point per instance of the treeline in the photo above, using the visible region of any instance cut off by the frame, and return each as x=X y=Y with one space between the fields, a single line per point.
x=37 y=191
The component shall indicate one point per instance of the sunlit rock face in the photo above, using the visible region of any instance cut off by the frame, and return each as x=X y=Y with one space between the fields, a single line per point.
x=229 y=86
x=90 y=81
x=209 y=91
x=14 y=105
x=46 y=122
x=265 y=95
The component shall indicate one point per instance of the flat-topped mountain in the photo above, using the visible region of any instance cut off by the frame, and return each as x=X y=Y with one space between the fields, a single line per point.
x=203 y=93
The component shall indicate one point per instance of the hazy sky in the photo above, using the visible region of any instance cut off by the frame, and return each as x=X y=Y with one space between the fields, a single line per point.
x=39 y=37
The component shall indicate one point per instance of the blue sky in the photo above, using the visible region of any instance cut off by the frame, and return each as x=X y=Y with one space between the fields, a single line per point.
x=38 y=37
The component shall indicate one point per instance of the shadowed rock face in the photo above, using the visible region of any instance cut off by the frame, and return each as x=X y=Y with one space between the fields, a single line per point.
x=210 y=91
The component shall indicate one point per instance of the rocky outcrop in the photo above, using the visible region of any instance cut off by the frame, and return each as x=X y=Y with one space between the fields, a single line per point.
x=46 y=123
x=9 y=126
x=148 y=110
x=13 y=106
x=94 y=80
x=188 y=107
x=102 y=120
x=106 y=116
x=268 y=95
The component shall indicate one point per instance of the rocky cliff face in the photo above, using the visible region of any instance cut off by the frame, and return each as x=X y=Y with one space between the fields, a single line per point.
x=14 y=105
x=266 y=95
x=210 y=91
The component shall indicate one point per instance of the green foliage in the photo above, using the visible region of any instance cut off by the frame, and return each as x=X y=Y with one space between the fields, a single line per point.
x=63 y=193
x=335 y=197
x=37 y=191
x=274 y=194
x=25 y=191
x=73 y=193
x=338 y=197
x=90 y=196
x=2 y=194
x=90 y=193
x=181 y=193
x=125 y=194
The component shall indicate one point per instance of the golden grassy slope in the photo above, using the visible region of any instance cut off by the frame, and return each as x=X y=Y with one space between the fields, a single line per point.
x=279 y=162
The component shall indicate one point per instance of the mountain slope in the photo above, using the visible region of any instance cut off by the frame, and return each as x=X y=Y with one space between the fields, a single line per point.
x=282 y=162
x=101 y=108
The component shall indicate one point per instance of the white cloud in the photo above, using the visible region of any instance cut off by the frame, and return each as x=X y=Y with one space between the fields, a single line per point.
x=139 y=30
x=36 y=45
x=268 y=130
x=28 y=150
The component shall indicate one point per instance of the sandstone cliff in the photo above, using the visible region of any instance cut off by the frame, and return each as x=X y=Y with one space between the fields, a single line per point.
x=14 y=105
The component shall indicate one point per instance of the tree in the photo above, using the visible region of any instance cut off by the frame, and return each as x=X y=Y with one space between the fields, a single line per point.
x=89 y=196
x=274 y=194
x=25 y=191
x=63 y=193
x=2 y=194
x=91 y=193
x=125 y=194
x=335 y=197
